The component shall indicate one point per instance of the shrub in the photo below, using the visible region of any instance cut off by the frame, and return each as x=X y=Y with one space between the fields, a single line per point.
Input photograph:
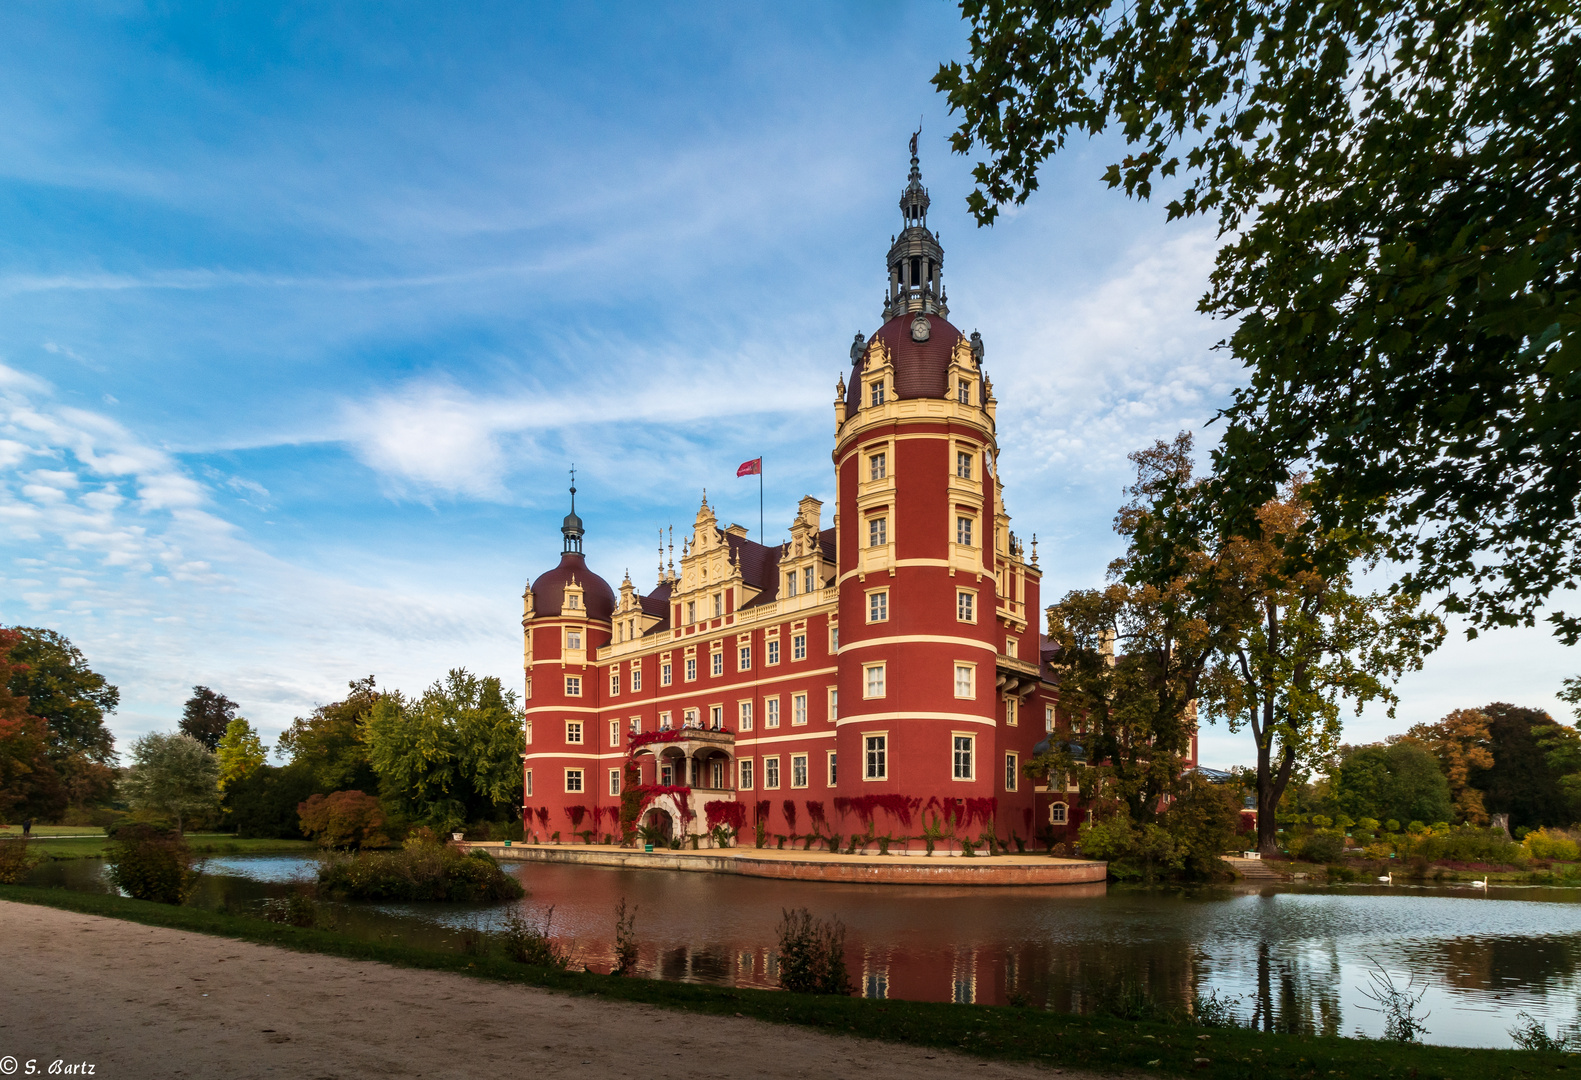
x=812 y=954
x=529 y=944
x=1464 y=844
x=151 y=862
x=1546 y=844
x=1370 y=824
x=344 y=819
x=625 y=940
x=1323 y=846
x=422 y=870
x=16 y=860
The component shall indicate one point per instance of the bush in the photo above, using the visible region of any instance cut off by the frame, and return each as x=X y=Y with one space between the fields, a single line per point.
x=1552 y=844
x=1464 y=844
x=345 y=819
x=529 y=944
x=151 y=862
x=264 y=803
x=1323 y=846
x=812 y=954
x=16 y=860
x=422 y=870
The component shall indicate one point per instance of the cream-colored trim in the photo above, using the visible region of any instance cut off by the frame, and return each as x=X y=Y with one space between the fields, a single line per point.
x=954 y=665
x=563 y=708
x=972 y=735
x=900 y=639
x=763 y=780
x=941 y=563
x=882 y=668
x=862 y=766
x=579 y=757
x=746 y=745
x=964 y=718
x=806 y=768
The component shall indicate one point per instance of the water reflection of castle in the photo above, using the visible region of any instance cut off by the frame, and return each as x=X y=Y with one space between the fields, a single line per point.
x=874 y=676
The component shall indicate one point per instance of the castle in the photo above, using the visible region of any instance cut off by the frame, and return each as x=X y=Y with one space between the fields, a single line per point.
x=882 y=675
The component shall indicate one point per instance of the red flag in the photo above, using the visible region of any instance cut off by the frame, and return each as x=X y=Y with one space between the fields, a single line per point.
x=751 y=468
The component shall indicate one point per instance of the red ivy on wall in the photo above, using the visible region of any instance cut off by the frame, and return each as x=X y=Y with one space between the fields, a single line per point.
x=790 y=814
x=725 y=812
x=682 y=793
x=815 y=813
x=900 y=807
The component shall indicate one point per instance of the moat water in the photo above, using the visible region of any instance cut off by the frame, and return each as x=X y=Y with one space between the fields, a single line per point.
x=1288 y=958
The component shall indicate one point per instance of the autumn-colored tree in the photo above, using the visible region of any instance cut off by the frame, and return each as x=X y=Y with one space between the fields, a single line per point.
x=1461 y=743
x=1296 y=642
x=71 y=699
x=206 y=715
x=344 y=819
x=30 y=786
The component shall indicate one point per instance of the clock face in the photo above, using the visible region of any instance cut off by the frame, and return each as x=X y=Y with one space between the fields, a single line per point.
x=920 y=328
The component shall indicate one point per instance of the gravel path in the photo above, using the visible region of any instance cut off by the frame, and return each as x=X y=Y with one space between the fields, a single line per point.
x=136 y=1001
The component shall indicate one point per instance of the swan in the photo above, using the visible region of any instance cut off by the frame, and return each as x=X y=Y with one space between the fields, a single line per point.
x=1483 y=884
x=1389 y=877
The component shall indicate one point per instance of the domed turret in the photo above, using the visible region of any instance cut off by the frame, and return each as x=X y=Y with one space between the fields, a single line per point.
x=596 y=600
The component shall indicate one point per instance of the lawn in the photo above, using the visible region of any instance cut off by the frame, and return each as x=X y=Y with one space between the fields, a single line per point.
x=92 y=847
x=994 y=1032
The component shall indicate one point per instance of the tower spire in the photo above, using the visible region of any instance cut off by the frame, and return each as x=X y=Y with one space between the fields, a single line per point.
x=572 y=526
x=916 y=259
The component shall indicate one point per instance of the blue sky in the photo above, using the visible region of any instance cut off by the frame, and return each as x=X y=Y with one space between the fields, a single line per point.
x=305 y=312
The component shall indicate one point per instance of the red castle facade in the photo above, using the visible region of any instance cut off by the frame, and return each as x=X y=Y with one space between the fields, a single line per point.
x=881 y=674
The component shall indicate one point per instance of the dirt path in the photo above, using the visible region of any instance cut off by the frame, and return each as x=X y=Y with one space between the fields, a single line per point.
x=136 y=1001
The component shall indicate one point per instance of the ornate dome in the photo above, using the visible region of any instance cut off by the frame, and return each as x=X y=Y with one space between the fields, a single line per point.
x=549 y=590
x=920 y=366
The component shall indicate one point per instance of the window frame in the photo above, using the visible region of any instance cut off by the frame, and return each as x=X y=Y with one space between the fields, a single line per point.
x=801 y=760
x=614 y=734
x=798 y=646
x=963 y=465
x=968 y=599
x=691 y=669
x=743 y=716
x=799 y=709
x=970 y=670
x=875 y=742
x=878 y=530
x=956 y=739
x=965 y=526
x=744 y=774
x=773 y=658
x=1012 y=771
x=771 y=712
x=614 y=783
x=580 y=776
x=878 y=465
x=878 y=605
x=869 y=682
x=574 y=733
x=743 y=658
x=636 y=678
x=771 y=772
x=830 y=772
x=573 y=686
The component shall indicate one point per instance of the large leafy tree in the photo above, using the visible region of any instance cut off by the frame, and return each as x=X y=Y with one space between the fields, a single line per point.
x=1400 y=782
x=30 y=785
x=174 y=774
x=329 y=741
x=452 y=754
x=241 y=752
x=1462 y=745
x=1396 y=186
x=66 y=693
x=206 y=715
x=1522 y=782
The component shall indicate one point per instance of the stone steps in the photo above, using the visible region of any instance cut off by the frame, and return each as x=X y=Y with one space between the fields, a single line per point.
x=1255 y=870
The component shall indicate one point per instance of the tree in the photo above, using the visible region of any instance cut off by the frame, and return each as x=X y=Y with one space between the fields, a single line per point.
x=206 y=715
x=451 y=754
x=264 y=803
x=329 y=741
x=239 y=753
x=1461 y=743
x=1295 y=642
x=343 y=819
x=30 y=786
x=1395 y=188
x=66 y=693
x=174 y=774
x=1132 y=655
x=1522 y=782
x=1400 y=781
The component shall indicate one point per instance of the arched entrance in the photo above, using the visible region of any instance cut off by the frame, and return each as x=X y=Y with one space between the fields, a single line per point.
x=660 y=821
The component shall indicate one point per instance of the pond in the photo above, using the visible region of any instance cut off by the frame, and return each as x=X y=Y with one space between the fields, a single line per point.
x=1289 y=958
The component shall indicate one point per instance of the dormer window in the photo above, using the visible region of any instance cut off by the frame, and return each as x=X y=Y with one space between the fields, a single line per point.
x=878 y=466
x=790 y=583
x=876 y=397
x=573 y=639
x=573 y=601
x=691 y=611
x=963 y=391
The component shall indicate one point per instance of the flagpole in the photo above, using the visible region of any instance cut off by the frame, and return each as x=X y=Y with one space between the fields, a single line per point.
x=760 y=502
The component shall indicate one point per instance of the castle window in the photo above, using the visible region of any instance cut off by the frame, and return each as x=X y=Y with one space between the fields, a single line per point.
x=963 y=463
x=963 y=531
x=798 y=709
x=1012 y=647
x=916 y=270
x=573 y=639
x=614 y=781
x=664 y=721
x=831 y=769
x=636 y=678
x=878 y=607
x=667 y=774
x=614 y=733
x=717 y=665
x=529 y=686
x=963 y=391
x=614 y=681
x=790 y=583
x=1012 y=717
x=806 y=579
x=772 y=717
x=876 y=751
x=874 y=685
x=691 y=611
x=877 y=532
x=834 y=639
x=876 y=396
x=834 y=704
x=746 y=774
x=744 y=721
x=716 y=718
x=1057 y=813
x=966 y=606
x=691 y=668
x=965 y=681
x=573 y=781
x=1012 y=771
x=636 y=725
x=1048 y=718
x=799 y=647
x=529 y=732
x=771 y=772
x=573 y=732
x=798 y=770
x=573 y=601
x=774 y=652
x=573 y=686
x=877 y=466
x=719 y=604
x=528 y=788
x=961 y=759
x=744 y=658
x=664 y=674
x=689 y=718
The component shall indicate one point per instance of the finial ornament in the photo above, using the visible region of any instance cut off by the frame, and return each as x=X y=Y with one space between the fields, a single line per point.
x=858 y=347
x=571 y=528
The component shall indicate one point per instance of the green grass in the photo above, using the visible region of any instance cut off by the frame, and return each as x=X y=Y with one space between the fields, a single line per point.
x=92 y=847
x=53 y=830
x=998 y=1032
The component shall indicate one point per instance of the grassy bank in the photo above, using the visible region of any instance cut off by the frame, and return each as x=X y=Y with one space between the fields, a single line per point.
x=92 y=847
x=1004 y=1033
